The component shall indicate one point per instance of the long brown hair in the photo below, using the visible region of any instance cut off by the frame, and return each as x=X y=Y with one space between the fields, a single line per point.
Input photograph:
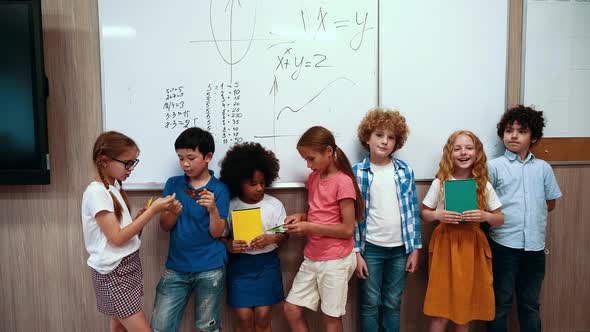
x=319 y=139
x=111 y=144
x=479 y=171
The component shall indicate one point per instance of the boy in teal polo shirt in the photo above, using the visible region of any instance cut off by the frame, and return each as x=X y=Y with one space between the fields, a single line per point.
x=196 y=256
x=528 y=190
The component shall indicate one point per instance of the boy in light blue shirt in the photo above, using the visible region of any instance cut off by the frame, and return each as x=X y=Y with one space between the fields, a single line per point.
x=528 y=190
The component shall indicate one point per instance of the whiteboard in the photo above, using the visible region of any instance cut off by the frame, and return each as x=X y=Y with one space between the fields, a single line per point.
x=556 y=64
x=246 y=70
x=443 y=65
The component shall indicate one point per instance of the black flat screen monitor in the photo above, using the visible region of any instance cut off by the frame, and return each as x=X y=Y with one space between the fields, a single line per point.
x=24 y=155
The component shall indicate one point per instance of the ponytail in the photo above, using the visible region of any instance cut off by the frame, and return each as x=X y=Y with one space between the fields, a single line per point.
x=319 y=139
x=123 y=194
x=116 y=203
x=343 y=164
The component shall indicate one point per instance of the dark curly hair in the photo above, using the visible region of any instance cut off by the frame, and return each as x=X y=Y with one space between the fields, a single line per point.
x=527 y=117
x=242 y=160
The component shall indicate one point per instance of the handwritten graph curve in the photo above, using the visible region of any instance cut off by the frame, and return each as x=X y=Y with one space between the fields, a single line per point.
x=292 y=110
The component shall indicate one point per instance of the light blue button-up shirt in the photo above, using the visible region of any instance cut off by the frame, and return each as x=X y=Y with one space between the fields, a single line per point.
x=524 y=187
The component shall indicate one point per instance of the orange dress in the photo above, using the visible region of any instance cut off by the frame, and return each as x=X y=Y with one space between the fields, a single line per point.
x=460 y=281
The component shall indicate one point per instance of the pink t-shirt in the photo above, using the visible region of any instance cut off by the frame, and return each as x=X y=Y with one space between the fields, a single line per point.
x=324 y=208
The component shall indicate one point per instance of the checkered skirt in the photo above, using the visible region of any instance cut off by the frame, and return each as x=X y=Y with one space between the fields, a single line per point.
x=119 y=292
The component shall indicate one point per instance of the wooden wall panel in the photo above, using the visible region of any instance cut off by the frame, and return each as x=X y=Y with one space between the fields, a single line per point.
x=46 y=284
x=565 y=296
x=514 y=53
x=572 y=150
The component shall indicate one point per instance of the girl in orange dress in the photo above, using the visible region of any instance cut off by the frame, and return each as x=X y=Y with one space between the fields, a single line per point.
x=460 y=286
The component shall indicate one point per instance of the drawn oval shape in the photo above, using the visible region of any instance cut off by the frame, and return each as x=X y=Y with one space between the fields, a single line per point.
x=232 y=23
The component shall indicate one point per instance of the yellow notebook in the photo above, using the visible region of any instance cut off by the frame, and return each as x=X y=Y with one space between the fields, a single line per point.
x=246 y=224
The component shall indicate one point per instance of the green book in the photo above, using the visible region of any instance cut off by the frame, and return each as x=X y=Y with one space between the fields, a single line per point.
x=460 y=195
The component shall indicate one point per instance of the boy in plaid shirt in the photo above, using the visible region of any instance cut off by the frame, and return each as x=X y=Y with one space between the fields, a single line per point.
x=388 y=239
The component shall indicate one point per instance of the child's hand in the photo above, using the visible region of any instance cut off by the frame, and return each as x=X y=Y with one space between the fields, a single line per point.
x=362 y=271
x=162 y=203
x=474 y=216
x=239 y=246
x=293 y=218
x=299 y=228
x=175 y=207
x=448 y=217
x=207 y=200
x=262 y=241
x=140 y=212
x=412 y=261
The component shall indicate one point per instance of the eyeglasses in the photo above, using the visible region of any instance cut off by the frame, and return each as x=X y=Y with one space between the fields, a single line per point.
x=129 y=164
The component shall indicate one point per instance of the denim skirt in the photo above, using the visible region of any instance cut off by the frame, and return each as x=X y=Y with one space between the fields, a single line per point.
x=254 y=280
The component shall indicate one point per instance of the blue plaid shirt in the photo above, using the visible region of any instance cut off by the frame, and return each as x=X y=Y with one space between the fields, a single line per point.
x=407 y=198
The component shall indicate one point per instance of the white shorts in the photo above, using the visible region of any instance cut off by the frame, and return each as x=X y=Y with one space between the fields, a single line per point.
x=323 y=280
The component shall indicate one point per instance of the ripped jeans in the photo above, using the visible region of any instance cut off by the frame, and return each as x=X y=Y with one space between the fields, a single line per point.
x=173 y=292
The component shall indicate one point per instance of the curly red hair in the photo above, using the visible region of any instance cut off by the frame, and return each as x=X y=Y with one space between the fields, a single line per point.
x=479 y=170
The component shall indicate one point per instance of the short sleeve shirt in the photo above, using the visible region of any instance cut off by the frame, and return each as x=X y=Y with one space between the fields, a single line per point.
x=104 y=256
x=272 y=212
x=434 y=201
x=324 y=197
x=524 y=188
x=191 y=247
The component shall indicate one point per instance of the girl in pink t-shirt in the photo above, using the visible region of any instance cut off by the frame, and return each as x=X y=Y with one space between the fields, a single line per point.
x=335 y=202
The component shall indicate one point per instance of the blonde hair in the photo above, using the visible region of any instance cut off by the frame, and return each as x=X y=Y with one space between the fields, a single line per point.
x=319 y=139
x=383 y=118
x=479 y=170
x=111 y=144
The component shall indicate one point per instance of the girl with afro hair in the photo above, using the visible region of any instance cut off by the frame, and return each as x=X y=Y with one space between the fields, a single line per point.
x=254 y=281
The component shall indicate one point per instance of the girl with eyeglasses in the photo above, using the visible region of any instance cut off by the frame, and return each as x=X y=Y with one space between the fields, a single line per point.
x=111 y=236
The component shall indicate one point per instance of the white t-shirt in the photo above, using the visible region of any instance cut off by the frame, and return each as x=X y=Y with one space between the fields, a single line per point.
x=384 y=226
x=104 y=256
x=272 y=212
x=432 y=198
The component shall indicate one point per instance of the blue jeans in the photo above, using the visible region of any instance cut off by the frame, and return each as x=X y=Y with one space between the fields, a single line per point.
x=383 y=286
x=522 y=272
x=173 y=292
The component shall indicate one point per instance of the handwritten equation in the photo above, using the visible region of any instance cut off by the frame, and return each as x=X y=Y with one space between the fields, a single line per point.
x=306 y=43
x=226 y=99
x=286 y=61
x=221 y=99
x=175 y=113
x=323 y=22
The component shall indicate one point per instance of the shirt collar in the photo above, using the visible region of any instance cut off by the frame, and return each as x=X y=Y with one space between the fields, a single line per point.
x=366 y=164
x=513 y=156
x=186 y=180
